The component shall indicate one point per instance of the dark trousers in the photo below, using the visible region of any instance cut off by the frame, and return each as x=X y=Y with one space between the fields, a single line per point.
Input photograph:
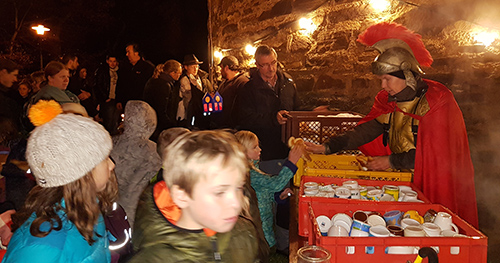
x=110 y=116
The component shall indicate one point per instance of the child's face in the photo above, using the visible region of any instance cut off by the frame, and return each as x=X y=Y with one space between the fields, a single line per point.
x=102 y=172
x=215 y=202
x=253 y=152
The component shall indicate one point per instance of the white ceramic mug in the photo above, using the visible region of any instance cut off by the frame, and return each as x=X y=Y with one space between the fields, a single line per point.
x=376 y=220
x=324 y=224
x=432 y=229
x=379 y=231
x=337 y=231
x=343 y=192
x=409 y=222
x=444 y=221
x=352 y=184
x=414 y=231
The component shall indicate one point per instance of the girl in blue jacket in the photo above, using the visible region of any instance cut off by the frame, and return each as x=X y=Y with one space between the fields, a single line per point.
x=266 y=185
x=61 y=220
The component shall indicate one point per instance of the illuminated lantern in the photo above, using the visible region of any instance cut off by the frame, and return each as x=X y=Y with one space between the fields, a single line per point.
x=217 y=102
x=212 y=103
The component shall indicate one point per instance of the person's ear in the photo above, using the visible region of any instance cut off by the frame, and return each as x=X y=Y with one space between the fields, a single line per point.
x=180 y=197
x=3 y=72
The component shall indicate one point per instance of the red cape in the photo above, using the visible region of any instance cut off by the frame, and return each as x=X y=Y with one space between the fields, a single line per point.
x=443 y=167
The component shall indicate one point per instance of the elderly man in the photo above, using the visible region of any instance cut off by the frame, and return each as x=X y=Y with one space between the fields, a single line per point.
x=264 y=102
x=415 y=123
x=234 y=80
x=162 y=94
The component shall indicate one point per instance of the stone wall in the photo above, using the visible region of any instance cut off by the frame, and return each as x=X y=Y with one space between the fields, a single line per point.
x=330 y=67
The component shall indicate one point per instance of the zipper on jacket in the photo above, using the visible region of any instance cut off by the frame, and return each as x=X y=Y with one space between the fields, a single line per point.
x=217 y=256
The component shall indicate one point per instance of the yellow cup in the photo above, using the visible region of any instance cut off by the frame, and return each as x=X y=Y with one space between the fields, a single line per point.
x=413 y=214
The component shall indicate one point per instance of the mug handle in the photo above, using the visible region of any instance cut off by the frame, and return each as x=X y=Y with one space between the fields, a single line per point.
x=455 y=228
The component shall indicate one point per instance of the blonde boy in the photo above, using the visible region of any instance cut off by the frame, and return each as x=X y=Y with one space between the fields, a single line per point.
x=194 y=214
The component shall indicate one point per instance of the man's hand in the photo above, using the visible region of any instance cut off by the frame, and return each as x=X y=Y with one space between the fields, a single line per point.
x=281 y=116
x=84 y=95
x=315 y=148
x=379 y=163
x=286 y=193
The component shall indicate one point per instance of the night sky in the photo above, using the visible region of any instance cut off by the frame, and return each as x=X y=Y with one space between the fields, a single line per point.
x=165 y=29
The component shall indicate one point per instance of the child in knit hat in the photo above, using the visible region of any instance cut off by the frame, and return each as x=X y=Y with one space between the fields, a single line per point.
x=61 y=221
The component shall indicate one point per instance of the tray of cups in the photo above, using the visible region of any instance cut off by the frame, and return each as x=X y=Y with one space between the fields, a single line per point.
x=340 y=190
x=393 y=232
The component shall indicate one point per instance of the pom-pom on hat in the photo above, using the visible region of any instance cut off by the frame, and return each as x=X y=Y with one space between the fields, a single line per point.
x=66 y=148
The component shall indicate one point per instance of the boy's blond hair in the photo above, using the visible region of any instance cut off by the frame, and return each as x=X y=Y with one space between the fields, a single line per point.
x=186 y=158
x=167 y=137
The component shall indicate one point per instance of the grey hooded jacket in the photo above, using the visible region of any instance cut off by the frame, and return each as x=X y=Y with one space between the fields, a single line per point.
x=135 y=155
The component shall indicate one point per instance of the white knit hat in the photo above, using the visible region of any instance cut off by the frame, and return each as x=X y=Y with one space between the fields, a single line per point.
x=66 y=148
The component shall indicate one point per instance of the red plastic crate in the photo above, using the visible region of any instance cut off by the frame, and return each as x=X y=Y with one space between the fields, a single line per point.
x=472 y=249
x=304 y=221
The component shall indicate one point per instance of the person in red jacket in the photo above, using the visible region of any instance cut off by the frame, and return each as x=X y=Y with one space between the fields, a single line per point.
x=415 y=123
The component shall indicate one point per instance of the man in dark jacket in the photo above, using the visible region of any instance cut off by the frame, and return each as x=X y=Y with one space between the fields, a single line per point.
x=264 y=102
x=162 y=94
x=234 y=80
x=106 y=77
x=133 y=77
x=10 y=111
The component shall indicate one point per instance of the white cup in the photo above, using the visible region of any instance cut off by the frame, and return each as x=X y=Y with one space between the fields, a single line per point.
x=376 y=220
x=311 y=191
x=358 y=233
x=355 y=194
x=409 y=222
x=343 y=224
x=379 y=231
x=409 y=195
x=344 y=218
x=414 y=231
x=432 y=229
x=444 y=221
x=343 y=192
x=324 y=224
x=337 y=231
x=352 y=184
x=313 y=185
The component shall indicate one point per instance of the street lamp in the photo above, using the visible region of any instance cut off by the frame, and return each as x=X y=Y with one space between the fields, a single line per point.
x=40 y=30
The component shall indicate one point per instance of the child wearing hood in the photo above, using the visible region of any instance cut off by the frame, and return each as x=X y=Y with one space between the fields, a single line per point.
x=135 y=155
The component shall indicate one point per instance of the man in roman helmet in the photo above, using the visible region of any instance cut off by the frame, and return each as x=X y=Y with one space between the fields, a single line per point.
x=415 y=123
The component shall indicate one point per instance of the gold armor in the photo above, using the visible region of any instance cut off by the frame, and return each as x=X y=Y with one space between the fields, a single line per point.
x=401 y=136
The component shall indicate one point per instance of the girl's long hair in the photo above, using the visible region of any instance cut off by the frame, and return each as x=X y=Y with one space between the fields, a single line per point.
x=83 y=205
x=247 y=139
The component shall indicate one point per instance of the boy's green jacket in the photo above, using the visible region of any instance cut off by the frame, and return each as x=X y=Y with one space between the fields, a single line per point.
x=156 y=239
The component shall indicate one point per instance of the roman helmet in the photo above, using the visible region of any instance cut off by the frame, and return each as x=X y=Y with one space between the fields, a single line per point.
x=400 y=50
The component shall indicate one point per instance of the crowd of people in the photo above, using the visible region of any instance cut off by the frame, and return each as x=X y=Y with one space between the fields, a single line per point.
x=191 y=185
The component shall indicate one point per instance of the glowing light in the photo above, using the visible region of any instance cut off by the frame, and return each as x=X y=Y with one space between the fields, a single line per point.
x=380 y=5
x=485 y=38
x=40 y=29
x=218 y=54
x=307 y=26
x=251 y=62
x=250 y=49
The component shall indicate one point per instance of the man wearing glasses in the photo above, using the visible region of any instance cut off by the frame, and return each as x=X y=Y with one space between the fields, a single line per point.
x=264 y=102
